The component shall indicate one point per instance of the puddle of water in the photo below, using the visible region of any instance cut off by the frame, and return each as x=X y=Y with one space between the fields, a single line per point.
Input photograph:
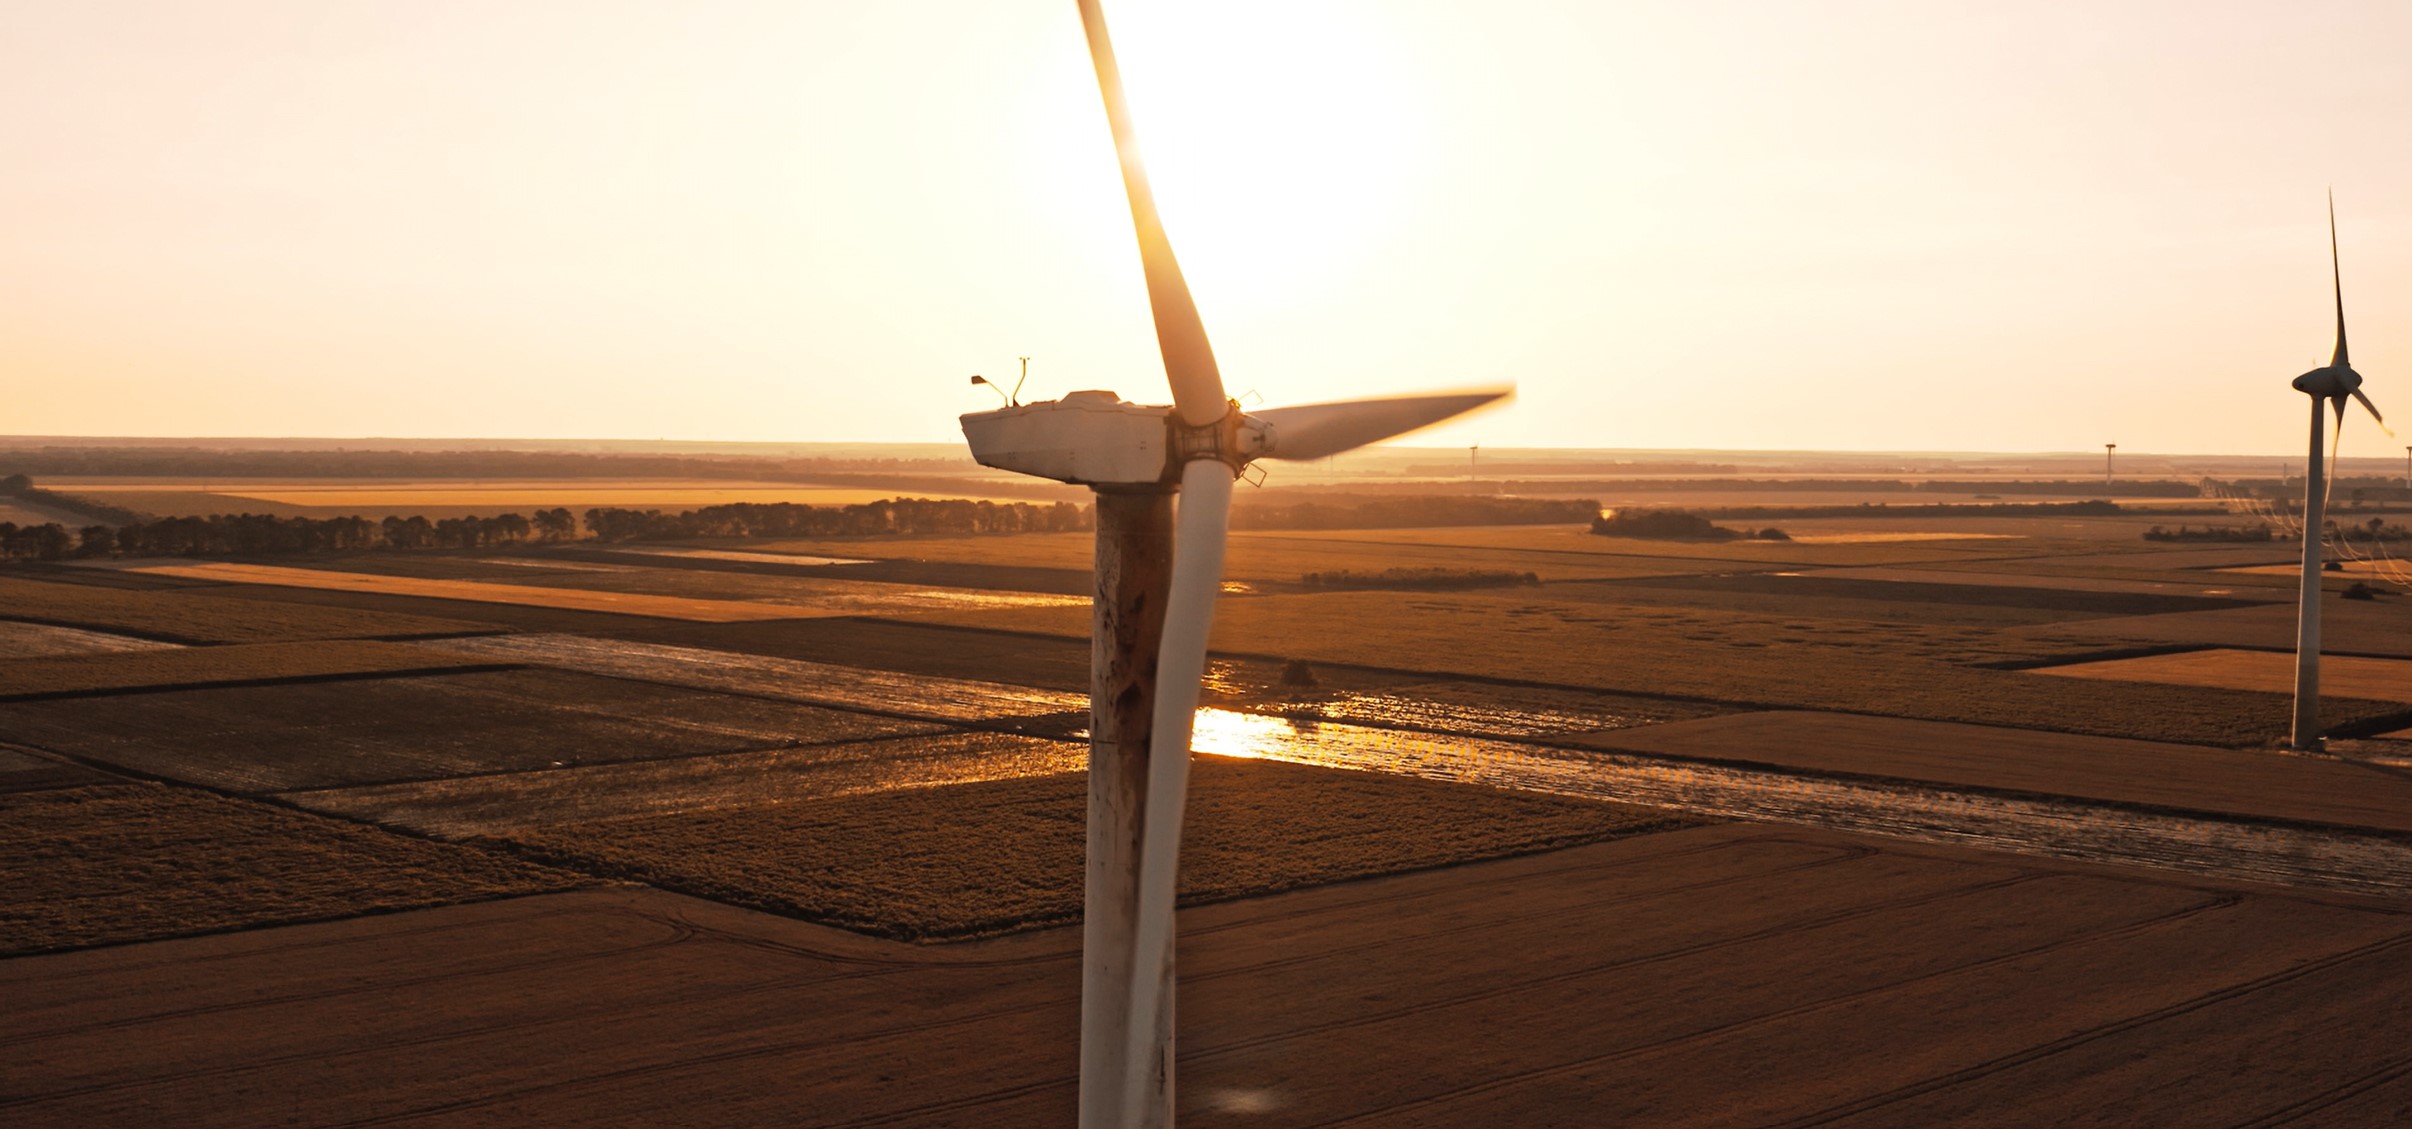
x=2061 y=829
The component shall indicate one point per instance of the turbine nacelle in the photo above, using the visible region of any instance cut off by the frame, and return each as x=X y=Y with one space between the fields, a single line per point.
x=1096 y=438
x=2332 y=382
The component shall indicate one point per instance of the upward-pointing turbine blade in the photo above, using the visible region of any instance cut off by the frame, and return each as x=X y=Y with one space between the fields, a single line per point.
x=1197 y=385
x=1313 y=431
x=1198 y=536
x=2336 y=276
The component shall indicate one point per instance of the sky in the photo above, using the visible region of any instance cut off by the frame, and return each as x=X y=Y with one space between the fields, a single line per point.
x=1850 y=225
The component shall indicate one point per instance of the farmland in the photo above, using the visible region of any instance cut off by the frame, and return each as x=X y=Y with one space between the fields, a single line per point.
x=440 y=498
x=881 y=739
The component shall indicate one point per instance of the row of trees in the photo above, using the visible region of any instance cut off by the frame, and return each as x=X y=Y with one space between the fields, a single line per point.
x=252 y=535
x=247 y=535
x=869 y=519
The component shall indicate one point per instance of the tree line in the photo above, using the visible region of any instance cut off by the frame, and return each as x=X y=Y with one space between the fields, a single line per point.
x=249 y=535
x=867 y=519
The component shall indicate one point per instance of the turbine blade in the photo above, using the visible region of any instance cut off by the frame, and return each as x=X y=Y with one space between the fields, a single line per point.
x=2336 y=276
x=1313 y=431
x=2328 y=474
x=1197 y=385
x=2375 y=417
x=1198 y=537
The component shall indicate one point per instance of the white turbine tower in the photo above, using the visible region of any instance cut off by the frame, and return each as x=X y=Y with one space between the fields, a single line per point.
x=2330 y=386
x=1150 y=622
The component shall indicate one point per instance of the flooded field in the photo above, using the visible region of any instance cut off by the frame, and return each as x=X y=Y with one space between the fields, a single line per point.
x=652 y=593
x=943 y=699
x=2342 y=860
x=502 y=804
x=33 y=640
x=1416 y=732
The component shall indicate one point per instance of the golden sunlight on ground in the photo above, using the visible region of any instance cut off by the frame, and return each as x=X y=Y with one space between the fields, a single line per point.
x=1228 y=734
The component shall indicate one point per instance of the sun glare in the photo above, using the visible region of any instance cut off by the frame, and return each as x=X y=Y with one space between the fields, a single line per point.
x=1277 y=139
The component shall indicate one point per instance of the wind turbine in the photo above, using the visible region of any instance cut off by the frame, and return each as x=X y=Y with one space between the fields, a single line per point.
x=1157 y=575
x=2331 y=385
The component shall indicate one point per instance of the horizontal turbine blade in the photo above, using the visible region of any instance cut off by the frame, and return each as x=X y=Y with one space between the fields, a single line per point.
x=1313 y=431
x=1199 y=532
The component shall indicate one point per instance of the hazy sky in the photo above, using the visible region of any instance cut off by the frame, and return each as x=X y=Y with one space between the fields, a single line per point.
x=1875 y=225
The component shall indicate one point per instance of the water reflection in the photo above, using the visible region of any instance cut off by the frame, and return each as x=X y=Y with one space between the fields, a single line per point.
x=2367 y=863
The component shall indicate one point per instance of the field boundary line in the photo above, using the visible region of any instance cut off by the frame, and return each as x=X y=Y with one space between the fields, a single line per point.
x=278 y=680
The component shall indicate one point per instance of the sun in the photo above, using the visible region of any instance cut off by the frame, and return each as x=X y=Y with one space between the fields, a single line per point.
x=1279 y=139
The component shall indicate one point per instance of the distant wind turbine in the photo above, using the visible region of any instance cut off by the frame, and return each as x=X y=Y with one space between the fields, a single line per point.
x=2329 y=385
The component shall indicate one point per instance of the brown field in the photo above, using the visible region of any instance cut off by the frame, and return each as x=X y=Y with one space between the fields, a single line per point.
x=2389 y=569
x=1895 y=669
x=821 y=595
x=742 y=556
x=1784 y=596
x=653 y=593
x=507 y=803
x=2008 y=576
x=109 y=864
x=1581 y=542
x=1285 y=557
x=892 y=746
x=22 y=771
x=35 y=640
x=19 y=512
x=477 y=591
x=2253 y=783
x=1710 y=976
x=88 y=674
x=2273 y=672
x=968 y=860
x=844 y=686
x=2381 y=628
x=365 y=731
x=183 y=616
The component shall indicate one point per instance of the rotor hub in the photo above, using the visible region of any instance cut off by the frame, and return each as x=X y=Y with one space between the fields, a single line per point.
x=2332 y=382
x=1235 y=440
